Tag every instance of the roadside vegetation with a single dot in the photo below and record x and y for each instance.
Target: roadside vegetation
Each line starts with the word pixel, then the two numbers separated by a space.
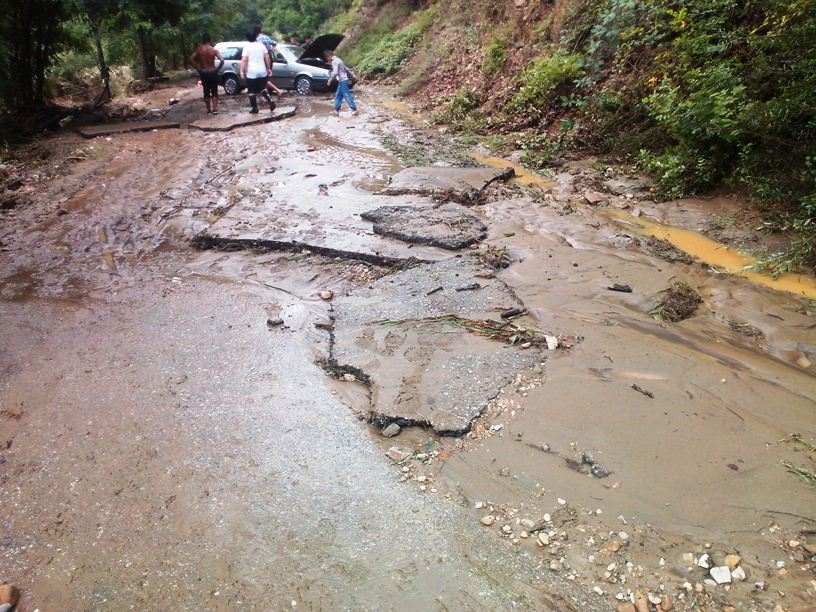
pixel 701 94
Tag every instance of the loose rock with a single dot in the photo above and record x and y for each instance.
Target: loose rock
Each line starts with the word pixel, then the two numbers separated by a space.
pixel 397 454
pixel 488 520
pixel 392 430
pixel 721 574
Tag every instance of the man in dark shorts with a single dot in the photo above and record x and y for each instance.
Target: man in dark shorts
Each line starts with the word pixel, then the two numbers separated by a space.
pixel 270 45
pixel 204 60
pixel 256 68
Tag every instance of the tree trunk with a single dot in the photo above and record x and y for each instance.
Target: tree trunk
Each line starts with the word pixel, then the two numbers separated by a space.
pixel 148 53
pixel 104 71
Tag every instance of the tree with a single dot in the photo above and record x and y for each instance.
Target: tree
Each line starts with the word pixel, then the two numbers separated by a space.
pixel 95 12
pixel 30 35
pixel 144 16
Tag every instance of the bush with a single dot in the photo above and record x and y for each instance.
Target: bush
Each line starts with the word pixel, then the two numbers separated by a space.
pixel 388 55
pixel 495 56
pixel 543 80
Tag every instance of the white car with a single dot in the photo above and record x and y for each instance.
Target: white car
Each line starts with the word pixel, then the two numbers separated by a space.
pixel 297 68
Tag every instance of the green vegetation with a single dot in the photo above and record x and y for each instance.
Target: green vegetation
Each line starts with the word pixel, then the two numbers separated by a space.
pixel 542 80
pixel 461 111
pixel 495 55
pixel 724 92
pixel 381 53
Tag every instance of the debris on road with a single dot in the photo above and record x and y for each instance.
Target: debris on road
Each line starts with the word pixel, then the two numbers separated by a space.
pixel 272 323
pixel 495 257
pixel 391 430
pixel 326 295
pixel 449 226
pixel 470 287
pixel 677 303
pixel 620 288
pixel 398 454
pixel 643 391
pixel 463 185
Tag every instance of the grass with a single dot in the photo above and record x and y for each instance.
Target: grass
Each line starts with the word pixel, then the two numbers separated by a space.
pixel 382 51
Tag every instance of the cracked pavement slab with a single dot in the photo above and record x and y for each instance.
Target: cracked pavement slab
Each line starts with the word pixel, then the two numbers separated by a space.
pixel 460 184
pixel 423 370
pixel 449 226
pixel 228 122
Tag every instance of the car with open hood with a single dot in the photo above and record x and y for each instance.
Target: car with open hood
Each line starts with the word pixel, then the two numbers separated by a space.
pixel 302 69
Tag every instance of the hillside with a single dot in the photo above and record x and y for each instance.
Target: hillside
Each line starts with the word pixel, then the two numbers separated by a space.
pixel 702 94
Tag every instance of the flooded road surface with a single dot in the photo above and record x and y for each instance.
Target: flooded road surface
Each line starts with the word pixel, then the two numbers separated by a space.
pixel 179 430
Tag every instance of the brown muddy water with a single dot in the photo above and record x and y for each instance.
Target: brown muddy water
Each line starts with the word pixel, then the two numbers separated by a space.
pixel 163 447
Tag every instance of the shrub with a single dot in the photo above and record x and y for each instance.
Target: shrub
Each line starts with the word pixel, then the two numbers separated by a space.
pixel 495 56
pixel 543 80
pixel 393 49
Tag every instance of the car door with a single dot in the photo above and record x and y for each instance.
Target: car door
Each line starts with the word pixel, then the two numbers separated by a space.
pixel 282 72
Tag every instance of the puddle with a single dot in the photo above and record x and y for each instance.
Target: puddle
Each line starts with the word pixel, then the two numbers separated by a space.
pixel 317 138
pixel 525 177
pixel 718 255
pixel 403 110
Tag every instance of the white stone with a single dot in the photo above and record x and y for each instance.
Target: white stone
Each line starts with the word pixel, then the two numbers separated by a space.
pixel 738 574
pixel 721 574
pixel 488 520
pixel 543 539
pixel 704 561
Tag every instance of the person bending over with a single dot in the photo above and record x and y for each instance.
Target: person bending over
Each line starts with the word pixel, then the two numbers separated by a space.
pixel 256 69
pixel 204 60
pixel 341 72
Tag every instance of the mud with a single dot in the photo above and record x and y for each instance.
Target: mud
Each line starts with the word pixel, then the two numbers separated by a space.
pixel 422 367
pixel 448 226
pixel 159 440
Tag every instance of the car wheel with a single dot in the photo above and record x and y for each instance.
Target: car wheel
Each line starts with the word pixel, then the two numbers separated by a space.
pixel 231 84
pixel 303 85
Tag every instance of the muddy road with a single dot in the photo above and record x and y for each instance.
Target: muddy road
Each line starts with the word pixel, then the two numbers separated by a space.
pixel 204 336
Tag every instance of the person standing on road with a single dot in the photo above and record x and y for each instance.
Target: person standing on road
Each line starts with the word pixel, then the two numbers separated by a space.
pixel 256 70
pixel 204 61
pixel 270 45
pixel 344 76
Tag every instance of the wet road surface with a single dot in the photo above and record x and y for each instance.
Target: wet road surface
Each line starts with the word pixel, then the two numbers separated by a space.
pixel 164 448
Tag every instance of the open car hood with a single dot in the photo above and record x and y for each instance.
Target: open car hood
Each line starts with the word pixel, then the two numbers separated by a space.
pixel 327 42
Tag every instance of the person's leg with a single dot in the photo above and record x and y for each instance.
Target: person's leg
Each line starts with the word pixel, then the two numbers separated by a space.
pixel 350 99
pixel 205 88
pixel 265 94
pixel 211 88
pixel 338 98
pixel 254 88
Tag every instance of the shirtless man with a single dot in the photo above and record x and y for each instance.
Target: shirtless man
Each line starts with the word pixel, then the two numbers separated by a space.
pixel 204 61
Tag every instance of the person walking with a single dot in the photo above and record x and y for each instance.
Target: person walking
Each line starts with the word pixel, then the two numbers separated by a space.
pixel 204 60
pixel 270 45
pixel 256 70
pixel 344 77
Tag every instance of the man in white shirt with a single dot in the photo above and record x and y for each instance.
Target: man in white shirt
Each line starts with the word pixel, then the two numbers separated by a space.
pixel 256 69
